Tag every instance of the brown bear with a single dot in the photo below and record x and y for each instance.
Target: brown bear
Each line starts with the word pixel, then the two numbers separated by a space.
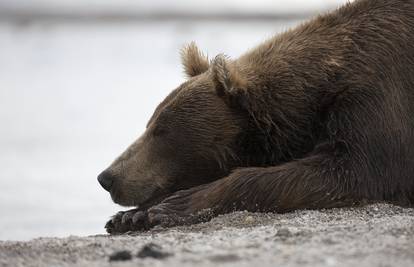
pixel 316 117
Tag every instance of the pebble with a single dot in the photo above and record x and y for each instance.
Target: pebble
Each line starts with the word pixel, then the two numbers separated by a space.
pixel 123 255
pixel 225 258
pixel 249 220
pixel 283 233
pixel 153 251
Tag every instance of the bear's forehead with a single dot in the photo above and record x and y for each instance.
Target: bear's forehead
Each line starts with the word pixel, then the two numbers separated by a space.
pixel 191 90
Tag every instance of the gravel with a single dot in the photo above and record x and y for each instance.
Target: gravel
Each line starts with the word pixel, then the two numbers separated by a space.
pixel 374 235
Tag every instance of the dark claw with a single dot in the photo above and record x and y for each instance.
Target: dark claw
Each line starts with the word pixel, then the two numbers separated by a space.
pixel 109 225
pixel 126 217
pixel 116 216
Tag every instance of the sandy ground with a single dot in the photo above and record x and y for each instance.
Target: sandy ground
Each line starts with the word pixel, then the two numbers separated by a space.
pixel 375 235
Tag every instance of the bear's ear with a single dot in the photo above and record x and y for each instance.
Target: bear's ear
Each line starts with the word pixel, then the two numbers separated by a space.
pixel 194 61
pixel 229 82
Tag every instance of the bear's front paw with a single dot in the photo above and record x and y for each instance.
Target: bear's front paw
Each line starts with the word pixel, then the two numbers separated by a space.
pixel 126 221
pixel 182 208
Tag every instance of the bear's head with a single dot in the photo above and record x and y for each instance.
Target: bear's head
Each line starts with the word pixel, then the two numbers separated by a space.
pixel 194 136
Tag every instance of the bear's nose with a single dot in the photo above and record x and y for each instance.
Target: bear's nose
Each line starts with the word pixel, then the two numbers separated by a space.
pixel 106 179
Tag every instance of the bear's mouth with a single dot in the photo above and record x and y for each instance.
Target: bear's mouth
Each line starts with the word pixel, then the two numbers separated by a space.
pixel 156 197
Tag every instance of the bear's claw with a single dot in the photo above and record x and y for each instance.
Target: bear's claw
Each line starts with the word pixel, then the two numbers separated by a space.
pixel 178 209
pixel 126 221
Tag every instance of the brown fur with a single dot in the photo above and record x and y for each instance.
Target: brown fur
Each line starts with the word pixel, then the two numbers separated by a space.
pixel 193 60
pixel 317 117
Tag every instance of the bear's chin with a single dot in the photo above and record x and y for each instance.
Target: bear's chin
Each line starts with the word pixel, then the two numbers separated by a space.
pixel 141 202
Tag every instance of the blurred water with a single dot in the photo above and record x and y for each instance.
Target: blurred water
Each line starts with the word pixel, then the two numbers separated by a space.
pixel 154 6
pixel 72 97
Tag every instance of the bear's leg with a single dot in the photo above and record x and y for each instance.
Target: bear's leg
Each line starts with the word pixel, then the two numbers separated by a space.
pixel 322 180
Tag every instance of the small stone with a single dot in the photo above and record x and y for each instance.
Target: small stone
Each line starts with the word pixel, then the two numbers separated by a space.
pixel 225 258
pixel 329 241
pixel 152 251
pixel 283 233
pixel 249 220
pixel 123 255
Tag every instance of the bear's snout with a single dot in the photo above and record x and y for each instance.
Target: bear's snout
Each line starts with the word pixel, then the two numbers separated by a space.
pixel 106 179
